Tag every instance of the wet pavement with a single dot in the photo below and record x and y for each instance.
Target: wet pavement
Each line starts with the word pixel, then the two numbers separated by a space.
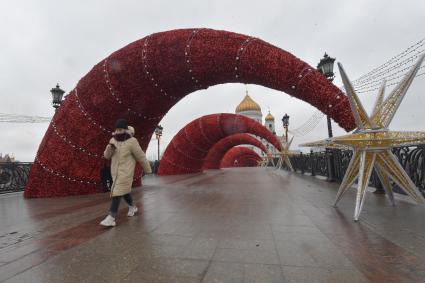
pixel 233 225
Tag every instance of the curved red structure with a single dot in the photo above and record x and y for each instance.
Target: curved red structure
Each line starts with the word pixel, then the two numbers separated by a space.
pixel 217 152
pixel 189 147
pixel 248 161
pixel 240 156
pixel 143 80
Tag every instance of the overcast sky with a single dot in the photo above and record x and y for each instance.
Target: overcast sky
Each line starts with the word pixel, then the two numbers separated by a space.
pixel 45 42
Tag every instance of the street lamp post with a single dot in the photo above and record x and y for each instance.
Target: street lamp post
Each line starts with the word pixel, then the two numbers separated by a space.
pixel 326 67
pixel 285 122
pixel 158 134
pixel 57 94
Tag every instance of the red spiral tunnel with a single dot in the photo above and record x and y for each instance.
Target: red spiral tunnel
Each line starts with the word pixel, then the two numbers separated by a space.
pixel 188 149
pixel 240 156
pixel 142 81
pixel 217 152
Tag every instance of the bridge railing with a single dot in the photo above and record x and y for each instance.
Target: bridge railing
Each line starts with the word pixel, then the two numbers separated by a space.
pixel 332 164
pixel 14 176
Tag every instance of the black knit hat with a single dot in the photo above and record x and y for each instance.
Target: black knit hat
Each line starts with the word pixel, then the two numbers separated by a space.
pixel 121 124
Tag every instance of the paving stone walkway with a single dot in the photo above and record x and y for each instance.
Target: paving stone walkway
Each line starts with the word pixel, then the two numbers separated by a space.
pixel 234 225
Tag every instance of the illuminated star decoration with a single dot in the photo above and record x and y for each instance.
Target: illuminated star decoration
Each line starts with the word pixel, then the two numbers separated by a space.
pixel 284 156
pixel 372 141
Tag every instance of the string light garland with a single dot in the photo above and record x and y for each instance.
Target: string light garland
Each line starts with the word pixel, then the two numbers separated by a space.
pixel 239 54
pixel 391 84
pixel 304 73
pixel 93 121
pixel 395 58
pixel 309 125
pixel 86 114
pixel 390 77
pixel 188 59
pixel 114 93
pixel 148 73
pixel 64 176
pixel 73 145
pixel 391 70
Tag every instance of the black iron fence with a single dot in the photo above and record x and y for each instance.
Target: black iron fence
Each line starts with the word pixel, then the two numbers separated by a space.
pixel 332 164
pixel 14 176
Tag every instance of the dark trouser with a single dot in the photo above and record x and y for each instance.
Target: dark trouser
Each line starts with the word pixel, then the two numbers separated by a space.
pixel 116 203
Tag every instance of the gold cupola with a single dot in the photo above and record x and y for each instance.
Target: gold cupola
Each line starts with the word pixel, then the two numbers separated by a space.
pixel 248 104
pixel 269 117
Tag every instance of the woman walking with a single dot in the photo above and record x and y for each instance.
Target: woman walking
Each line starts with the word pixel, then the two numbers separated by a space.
pixel 124 150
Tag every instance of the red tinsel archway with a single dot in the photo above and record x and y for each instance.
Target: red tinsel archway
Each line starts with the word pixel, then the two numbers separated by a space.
pixel 189 147
pixel 143 80
pixel 240 156
pixel 217 152
pixel 248 161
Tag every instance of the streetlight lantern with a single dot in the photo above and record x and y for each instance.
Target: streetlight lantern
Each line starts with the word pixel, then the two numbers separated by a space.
pixel 158 134
pixel 285 122
pixel 326 67
pixel 57 94
pixel 158 131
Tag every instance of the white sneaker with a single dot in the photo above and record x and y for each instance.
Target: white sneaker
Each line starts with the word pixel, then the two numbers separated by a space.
pixel 132 210
pixel 109 221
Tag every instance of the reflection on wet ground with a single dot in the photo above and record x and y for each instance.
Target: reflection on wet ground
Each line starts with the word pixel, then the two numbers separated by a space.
pixel 235 225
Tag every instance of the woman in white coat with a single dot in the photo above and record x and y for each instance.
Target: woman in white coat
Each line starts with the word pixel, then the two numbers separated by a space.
pixel 124 150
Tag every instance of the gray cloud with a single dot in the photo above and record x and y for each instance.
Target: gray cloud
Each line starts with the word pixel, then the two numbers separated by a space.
pixel 45 42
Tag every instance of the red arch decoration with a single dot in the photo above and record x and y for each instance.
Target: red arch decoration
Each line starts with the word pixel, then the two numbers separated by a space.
pixel 248 161
pixel 189 147
pixel 217 152
pixel 245 157
pixel 143 80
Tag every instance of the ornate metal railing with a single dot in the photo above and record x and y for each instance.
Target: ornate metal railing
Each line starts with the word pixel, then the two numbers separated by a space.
pixel 333 164
pixel 14 176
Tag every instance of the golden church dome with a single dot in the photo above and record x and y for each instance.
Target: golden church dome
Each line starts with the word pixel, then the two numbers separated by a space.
pixel 269 117
pixel 248 104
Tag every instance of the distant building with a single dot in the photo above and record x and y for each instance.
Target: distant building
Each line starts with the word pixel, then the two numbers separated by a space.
pixel 251 109
pixel 7 158
pixel 248 107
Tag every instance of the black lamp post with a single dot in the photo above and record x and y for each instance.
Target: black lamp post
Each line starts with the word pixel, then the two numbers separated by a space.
pixel 326 67
pixel 285 122
pixel 57 94
pixel 158 134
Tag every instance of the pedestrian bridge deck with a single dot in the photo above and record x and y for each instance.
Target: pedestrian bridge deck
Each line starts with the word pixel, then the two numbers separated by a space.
pixel 235 225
